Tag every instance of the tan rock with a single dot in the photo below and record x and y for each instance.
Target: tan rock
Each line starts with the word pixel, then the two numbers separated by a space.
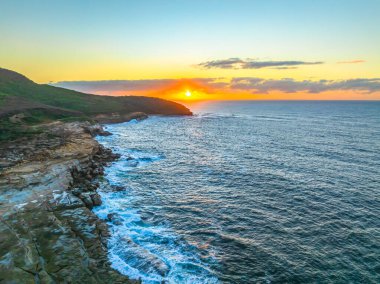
pixel 47 234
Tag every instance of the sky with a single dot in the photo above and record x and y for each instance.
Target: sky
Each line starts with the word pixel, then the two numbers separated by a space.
pixel 196 50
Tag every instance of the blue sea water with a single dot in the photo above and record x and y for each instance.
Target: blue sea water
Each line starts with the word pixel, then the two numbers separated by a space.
pixel 247 192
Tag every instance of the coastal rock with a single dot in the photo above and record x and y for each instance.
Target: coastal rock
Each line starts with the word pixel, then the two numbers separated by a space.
pixel 120 117
pixel 96 129
pixel 96 199
pixel 118 188
pixel 17 118
pixel 87 200
pixel 114 218
pixel 48 234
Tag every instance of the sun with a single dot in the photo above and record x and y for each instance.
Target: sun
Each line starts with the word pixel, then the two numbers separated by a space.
pixel 188 93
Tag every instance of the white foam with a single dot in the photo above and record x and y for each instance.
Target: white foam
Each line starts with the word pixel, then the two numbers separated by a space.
pixel 21 205
pixel 138 249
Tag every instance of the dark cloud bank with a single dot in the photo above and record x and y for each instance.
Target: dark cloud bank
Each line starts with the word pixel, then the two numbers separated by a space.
pixel 258 85
pixel 249 84
pixel 114 85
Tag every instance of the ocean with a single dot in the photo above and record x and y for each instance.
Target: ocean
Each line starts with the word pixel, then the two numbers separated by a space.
pixel 247 192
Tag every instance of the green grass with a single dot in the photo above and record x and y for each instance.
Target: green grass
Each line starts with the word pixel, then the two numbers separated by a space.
pixel 30 126
pixel 12 131
pixel 44 103
pixel 86 103
pixel 2 97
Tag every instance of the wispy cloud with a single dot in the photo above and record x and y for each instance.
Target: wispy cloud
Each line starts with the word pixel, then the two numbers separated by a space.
pixel 352 61
pixel 238 63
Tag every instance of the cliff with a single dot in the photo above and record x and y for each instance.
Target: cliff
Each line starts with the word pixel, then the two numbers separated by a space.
pixel 50 166
pixel 48 233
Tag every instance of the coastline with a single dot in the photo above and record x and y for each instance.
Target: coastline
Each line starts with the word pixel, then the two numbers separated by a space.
pixel 47 190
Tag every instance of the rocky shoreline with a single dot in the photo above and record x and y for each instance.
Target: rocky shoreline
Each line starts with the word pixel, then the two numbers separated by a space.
pixel 48 233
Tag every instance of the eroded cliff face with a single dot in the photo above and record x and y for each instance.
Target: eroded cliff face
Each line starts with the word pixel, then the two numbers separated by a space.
pixel 48 234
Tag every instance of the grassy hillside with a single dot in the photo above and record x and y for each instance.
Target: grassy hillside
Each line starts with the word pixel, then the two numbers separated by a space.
pixel 17 85
pixel 41 103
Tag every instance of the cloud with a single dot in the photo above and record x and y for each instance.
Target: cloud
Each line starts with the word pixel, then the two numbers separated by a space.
pixel 251 85
pixel 113 85
pixel 154 87
pixel 288 85
pixel 351 62
pixel 238 63
pixel 284 68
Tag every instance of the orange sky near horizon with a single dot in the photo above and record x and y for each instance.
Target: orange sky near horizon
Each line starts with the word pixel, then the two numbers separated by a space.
pixel 187 90
pixel 259 50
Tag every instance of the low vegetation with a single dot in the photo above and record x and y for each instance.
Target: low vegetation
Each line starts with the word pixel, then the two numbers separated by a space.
pixel 40 103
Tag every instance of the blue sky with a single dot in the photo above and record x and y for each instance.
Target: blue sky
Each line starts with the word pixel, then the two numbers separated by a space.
pixel 94 40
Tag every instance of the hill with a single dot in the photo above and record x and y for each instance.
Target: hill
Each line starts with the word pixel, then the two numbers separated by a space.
pixel 36 103
pixel 16 87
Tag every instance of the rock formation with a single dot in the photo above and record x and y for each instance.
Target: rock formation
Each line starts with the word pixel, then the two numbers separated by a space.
pixel 48 234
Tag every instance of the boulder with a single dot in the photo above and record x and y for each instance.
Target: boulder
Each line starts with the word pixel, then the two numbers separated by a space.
pixel 96 199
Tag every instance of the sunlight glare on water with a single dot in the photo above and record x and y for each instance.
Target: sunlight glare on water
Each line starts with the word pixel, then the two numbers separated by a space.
pixel 247 192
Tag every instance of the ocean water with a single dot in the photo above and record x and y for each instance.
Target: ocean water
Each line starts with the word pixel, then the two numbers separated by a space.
pixel 247 192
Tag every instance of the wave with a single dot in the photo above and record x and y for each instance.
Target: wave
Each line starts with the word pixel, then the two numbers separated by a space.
pixel 244 116
pixel 139 247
